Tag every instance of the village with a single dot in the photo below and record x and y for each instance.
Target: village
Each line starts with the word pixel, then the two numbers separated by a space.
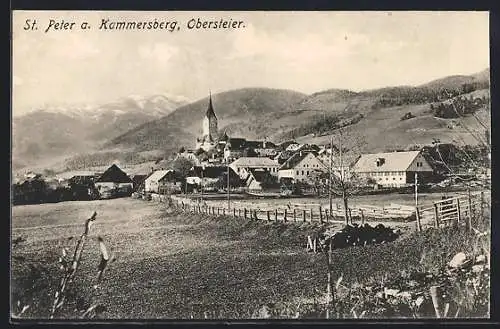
pixel 234 167
pixel 270 171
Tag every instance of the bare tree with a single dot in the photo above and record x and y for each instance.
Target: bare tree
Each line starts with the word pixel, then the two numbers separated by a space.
pixel 480 134
pixel 344 182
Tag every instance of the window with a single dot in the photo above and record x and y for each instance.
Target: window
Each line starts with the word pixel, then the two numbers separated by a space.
pixel 308 172
pixel 302 172
pixel 400 178
pixel 297 172
pixel 386 178
pixel 393 178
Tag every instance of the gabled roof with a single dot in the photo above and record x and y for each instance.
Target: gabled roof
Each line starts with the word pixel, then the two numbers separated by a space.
pixel 254 162
pixel 211 171
pixel 296 159
pixel 293 147
pixel 393 161
pixel 258 174
pixel 114 175
pixel 158 175
pixel 260 144
pixel 237 143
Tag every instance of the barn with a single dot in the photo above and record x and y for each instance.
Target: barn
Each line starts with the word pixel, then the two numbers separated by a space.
pixel 162 182
pixel 114 182
pixel 394 169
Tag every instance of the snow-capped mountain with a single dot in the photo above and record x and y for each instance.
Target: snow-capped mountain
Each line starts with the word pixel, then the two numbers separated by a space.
pixel 54 130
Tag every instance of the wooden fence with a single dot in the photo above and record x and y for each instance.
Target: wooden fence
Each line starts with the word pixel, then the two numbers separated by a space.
pixel 459 210
pixel 297 213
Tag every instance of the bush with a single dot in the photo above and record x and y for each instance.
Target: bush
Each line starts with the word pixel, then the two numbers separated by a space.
pixel 407 116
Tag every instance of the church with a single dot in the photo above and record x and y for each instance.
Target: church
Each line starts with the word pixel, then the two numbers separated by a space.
pixel 214 142
pixel 210 136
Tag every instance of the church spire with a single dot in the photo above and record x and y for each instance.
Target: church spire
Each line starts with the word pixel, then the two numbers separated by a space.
pixel 210 110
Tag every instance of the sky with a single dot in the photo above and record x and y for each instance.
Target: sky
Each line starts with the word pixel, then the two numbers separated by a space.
pixel 302 51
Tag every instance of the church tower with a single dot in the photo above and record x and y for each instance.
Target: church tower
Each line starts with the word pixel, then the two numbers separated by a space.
pixel 210 129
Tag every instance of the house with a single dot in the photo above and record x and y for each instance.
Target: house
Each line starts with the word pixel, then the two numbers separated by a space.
pixel 341 169
pixel 114 183
pixel 212 176
pixel 162 182
pixel 258 179
pixel 189 155
pixel 138 180
pixel 86 180
pixel 394 169
pixel 263 148
pixel 235 148
pixel 300 166
pixel 242 165
pixel 293 147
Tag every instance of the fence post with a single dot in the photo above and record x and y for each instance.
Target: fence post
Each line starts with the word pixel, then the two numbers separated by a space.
pixel 436 215
pixel 458 211
pixel 362 216
pixel 268 215
pixel 311 215
pixel 350 215
pixel 255 215
pixel 245 210
pixel 284 216
pixel 481 207
pixel 234 212
pixel 218 211
pixel 239 213
pixel 276 214
pixel 470 208
pixel 223 211
pixel 417 217
pixel 320 215
pixel 294 215
pixel 304 215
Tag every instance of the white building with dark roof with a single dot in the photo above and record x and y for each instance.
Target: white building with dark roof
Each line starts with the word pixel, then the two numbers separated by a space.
pixel 301 166
pixel 243 165
pixel 394 169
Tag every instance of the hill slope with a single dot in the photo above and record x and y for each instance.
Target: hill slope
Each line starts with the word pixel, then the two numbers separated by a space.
pixel 242 112
pixel 50 132
pixel 374 116
pixel 282 114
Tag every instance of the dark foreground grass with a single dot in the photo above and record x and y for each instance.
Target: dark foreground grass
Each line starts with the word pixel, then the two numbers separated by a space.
pixel 177 265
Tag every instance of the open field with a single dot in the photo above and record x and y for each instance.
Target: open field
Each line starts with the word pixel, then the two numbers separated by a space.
pixel 375 200
pixel 175 265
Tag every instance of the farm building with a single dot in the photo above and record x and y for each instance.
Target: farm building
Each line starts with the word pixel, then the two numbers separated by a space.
pixel 259 179
pixel 212 175
pixel 138 180
pixel 300 166
pixel 243 165
pixel 394 169
pixel 114 183
pixel 162 181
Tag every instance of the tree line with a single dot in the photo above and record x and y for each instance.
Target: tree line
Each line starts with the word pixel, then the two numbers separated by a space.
pixel 37 190
pixel 390 97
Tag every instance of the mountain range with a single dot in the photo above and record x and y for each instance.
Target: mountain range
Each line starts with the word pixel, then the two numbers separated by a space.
pixel 139 129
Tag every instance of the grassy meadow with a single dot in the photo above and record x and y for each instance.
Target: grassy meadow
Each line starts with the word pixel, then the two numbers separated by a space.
pixel 179 265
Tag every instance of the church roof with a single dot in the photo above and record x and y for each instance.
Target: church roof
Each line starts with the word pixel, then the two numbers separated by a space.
pixel 210 110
